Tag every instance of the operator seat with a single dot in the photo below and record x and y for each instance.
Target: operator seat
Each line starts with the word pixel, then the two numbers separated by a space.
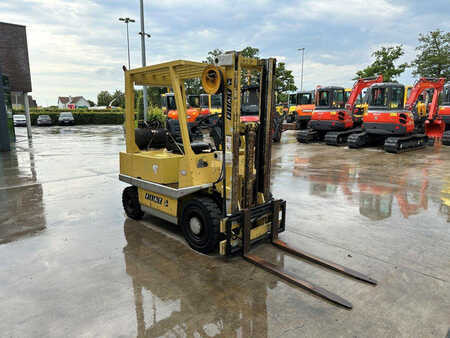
pixel 175 141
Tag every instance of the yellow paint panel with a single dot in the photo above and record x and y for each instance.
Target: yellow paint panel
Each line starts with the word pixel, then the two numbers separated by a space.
pixel 159 166
pixel 158 201
pixel 393 114
pixel 259 231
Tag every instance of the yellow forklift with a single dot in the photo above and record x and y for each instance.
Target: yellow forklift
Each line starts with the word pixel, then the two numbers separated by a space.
pixel 219 194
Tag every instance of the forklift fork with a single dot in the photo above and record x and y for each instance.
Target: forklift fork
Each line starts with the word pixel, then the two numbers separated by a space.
pixel 258 261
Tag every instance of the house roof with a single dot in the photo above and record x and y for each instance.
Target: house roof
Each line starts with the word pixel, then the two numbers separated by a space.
pixel 70 99
pixel 63 99
pixel 75 99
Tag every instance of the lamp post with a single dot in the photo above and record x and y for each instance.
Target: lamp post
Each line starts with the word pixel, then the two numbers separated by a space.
pixel 303 56
pixel 144 62
pixel 127 20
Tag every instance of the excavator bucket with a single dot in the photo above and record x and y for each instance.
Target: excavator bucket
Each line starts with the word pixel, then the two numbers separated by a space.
pixel 434 129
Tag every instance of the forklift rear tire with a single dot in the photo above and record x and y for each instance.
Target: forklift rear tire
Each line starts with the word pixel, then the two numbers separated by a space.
pixel 130 201
pixel 200 223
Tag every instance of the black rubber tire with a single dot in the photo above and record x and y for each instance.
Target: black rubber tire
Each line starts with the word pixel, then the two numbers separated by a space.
pixel 130 202
pixel 208 213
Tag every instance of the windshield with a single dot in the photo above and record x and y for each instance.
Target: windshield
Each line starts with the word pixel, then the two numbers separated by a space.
pixel 305 98
pixel 293 99
pixel 333 98
pixel 408 92
pixel 339 99
pixel 44 117
pixel 446 96
pixel 171 104
pixel 19 117
pixel 396 98
pixel 347 95
pixel 378 97
pixel 65 115
pixel 194 101
pixel 250 97
pixel 204 98
pixel 216 100
pixel 323 99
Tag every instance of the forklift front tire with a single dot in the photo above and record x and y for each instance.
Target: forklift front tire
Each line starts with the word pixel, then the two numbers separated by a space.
pixel 200 223
pixel 130 201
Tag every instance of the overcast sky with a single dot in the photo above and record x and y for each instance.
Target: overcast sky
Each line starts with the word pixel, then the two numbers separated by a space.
pixel 78 47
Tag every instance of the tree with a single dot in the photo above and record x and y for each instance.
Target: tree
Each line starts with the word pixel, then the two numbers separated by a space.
pixel 91 103
pixel 433 58
pixel 284 81
pixel 212 55
pixel 139 103
pixel 119 99
pixel 193 86
pixel 154 95
pixel 104 98
pixel 384 63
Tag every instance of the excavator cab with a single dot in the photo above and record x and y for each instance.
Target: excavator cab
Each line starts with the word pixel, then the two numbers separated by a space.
pixel 169 107
pixel 329 112
pixel 204 104
pixel 444 114
pixel 305 107
pixel 383 116
pixel 292 107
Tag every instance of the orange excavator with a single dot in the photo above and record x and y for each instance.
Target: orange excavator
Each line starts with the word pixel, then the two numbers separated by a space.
pixel 170 109
pixel 332 119
pixel 444 115
pixel 399 128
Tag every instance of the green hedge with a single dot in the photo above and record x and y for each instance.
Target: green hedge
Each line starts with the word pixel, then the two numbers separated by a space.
pixel 90 117
pixel 42 111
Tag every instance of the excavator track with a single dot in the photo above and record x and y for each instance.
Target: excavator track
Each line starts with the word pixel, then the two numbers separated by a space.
pixel 308 136
pixel 338 138
pixel 358 140
pixel 405 143
pixel 446 138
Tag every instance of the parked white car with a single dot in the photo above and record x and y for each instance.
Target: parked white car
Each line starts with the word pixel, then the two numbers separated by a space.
pixel 19 121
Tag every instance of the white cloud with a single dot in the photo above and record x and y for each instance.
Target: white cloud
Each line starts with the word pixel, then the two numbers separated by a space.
pixel 78 47
pixel 343 10
pixel 324 74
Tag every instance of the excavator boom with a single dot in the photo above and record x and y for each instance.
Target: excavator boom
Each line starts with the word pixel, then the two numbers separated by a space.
pixel 433 127
pixel 358 87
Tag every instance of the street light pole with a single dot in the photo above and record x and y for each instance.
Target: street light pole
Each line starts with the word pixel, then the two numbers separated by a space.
pixel 144 62
pixel 127 20
pixel 303 57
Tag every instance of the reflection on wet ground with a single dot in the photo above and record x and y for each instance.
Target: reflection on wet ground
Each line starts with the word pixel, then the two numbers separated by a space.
pixel 74 265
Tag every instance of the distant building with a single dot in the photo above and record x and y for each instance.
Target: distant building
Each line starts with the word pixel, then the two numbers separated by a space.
pixel 14 63
pixel 14 57
pixel 69 102
pixel 17 101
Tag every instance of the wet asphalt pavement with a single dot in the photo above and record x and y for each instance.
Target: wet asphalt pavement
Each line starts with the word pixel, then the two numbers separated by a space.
pixel 74 265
